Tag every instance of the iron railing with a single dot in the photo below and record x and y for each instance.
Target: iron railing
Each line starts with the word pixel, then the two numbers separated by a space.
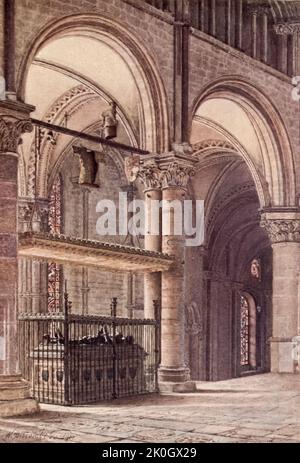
pixel 74 359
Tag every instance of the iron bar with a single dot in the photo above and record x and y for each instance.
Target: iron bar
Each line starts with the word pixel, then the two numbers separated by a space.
pixel 114 316
pixel 86 136
pixel 66 344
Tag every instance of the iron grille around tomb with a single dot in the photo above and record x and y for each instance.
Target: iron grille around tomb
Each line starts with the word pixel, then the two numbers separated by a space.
pixel 74 360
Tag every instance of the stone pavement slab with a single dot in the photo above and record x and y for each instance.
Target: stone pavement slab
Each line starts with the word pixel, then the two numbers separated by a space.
pixel 264 408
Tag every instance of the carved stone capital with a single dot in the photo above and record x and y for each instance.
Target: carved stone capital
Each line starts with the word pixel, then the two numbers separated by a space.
pixel 287 28
pixel 258 9
pixel 25 211
pixel 150 176
pixel 169 170
pixel 10 133
pixel 282 229
pixel 176 174
pixel 14 122
pixel 33 215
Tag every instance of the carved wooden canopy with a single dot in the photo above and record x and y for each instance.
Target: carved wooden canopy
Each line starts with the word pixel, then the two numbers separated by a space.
pixel 79 252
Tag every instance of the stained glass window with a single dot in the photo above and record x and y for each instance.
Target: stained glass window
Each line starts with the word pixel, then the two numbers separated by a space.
pixel 55 207
pixel 55 227
pixel 245 331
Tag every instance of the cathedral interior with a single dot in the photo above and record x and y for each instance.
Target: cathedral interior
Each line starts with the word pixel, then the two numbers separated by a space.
pixel 201 98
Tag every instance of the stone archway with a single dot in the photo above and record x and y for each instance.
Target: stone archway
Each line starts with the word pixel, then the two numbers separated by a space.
pixel 79 64
pixel 241 114
pixel 82 87
pixel 245 165
pixel 123 44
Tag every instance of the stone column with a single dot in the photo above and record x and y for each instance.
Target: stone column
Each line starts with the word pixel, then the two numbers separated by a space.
pixel 176 172
pixel 290 55
pixel 283 228
pixel 150 177
pixel 182 21
pixel 33 275
pixel 14 392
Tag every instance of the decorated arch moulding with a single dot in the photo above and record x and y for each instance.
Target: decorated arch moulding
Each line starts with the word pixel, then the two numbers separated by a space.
pixel 283 190
pixel 70 102
pixel 140 61
pixel 66 103
pixel 213 145
pixel 86 86
pixel 210 154
pixel 228 197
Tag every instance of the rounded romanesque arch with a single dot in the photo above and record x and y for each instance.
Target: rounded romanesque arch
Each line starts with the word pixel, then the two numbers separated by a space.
pixel 123 44
pixel 262 140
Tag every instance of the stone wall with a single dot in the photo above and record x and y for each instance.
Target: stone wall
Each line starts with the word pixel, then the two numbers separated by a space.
pixel 100 286
pixel 155 35
pixel 210 59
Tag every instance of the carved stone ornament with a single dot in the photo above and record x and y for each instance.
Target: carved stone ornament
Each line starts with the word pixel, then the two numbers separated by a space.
pixel 150 176
pixel 258 9
pixel 11 131
pixel 132 167
pixel 287 28
pixel 168 175
pixel 33 215
pixel 109 121
pixel 282 230
pixel 176 175
pixel 25 211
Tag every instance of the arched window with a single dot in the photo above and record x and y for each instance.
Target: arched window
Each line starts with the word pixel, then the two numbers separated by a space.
pixel 247 332
pixel 55 227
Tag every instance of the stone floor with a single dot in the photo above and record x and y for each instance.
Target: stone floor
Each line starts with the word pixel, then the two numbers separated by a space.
pixel 264 408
